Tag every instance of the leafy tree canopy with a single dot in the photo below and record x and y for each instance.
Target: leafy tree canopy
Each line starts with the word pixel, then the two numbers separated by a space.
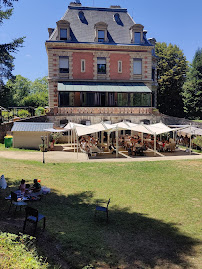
pixel 27 93
pixel 193 88
pixel 6 53
pixel 171 71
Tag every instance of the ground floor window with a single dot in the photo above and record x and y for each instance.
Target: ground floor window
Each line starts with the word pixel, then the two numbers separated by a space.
pixel 66 99
pixel 134 99
pixel 104 99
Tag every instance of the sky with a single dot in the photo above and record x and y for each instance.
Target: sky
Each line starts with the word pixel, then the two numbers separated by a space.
pixel 175 21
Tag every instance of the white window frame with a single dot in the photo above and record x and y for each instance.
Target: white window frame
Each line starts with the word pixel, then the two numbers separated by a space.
pixel 137 60
pixel 119 66
pixel 83 65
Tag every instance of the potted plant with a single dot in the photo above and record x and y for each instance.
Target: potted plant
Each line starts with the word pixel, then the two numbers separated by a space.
pixel 43 148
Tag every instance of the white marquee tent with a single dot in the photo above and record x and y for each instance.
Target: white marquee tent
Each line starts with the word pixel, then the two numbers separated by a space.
pixel 153 129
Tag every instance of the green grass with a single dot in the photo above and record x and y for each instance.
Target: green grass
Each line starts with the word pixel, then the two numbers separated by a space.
pixel 19 252
pixel 154 213
pixel 2 148
pixel 193 150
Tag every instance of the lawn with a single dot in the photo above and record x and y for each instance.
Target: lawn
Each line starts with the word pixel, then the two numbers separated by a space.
pixel 2 148
pixel 154 214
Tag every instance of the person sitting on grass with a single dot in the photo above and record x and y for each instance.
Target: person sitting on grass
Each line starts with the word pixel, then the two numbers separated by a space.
pixel 36 186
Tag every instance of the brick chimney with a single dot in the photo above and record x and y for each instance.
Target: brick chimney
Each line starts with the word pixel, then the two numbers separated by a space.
pixel 115 6
pixel 50 31
pixel 77 3
pixel 152 41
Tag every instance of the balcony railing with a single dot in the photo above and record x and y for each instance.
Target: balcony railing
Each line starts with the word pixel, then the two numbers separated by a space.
pixel 103 110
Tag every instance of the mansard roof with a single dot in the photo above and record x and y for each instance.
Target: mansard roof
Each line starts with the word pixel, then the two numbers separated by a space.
pixel 84 19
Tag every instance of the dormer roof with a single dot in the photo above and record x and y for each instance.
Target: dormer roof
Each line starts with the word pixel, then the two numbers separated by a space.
pixel 83 21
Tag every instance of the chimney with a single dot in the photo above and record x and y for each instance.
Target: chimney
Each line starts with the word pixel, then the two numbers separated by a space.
pixel 77 3
pixel 115 7
pixel 145 33
pixel 152 41
pixel 50 31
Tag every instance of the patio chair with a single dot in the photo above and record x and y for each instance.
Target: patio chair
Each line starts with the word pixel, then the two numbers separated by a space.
pixel 32 215
pixel 112 149
pixel 16 201
pixel 139 151
pixel 103 209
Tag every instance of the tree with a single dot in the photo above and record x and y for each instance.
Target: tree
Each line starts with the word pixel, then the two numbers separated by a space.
pixel 7 49
pixel 171 72
pixel 192 94
pixel 20 88
pixel 27 93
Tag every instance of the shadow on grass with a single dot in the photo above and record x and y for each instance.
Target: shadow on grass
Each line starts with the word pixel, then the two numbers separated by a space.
pixel 129 240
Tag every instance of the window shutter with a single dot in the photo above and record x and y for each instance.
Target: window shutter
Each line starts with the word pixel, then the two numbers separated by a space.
pixel 64 62
pixel 137 66
pixel 101 60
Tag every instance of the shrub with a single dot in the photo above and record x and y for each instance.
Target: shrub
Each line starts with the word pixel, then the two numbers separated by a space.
pixel 19 252
pixel 198 141
pixel 22 113
pixel 55 137
pixel 43 148
pixel 40 111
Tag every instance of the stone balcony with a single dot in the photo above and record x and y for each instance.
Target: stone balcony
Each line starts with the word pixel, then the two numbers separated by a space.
pixel 63 111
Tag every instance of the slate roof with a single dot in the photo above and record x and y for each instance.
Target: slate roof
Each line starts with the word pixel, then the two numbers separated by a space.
pixel 31 126
pixel 83 31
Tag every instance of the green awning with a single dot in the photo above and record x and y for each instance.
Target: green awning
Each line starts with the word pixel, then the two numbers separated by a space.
pixel 102 87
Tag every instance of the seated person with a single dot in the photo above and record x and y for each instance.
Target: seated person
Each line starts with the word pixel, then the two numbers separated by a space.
pixel 36 186
pixel 22 186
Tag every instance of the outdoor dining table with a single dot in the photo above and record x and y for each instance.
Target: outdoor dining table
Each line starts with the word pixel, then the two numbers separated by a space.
pixel 20 196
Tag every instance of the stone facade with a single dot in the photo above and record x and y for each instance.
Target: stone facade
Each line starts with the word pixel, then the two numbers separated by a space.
pixel 119 62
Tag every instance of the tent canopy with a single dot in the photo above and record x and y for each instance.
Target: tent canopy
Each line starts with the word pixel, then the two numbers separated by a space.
pixel 191 130
pixel 157 128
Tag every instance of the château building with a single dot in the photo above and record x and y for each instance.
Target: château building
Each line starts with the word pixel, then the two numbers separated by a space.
pixel 101 66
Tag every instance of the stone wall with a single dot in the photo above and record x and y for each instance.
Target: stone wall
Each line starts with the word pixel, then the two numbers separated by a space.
pixel 168 120
pixel 94 118
pixel 114 118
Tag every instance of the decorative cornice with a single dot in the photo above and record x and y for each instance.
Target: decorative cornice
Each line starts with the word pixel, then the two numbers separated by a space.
pixel 98 47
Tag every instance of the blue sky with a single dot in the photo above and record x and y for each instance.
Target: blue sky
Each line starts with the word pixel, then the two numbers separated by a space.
pixel 175 21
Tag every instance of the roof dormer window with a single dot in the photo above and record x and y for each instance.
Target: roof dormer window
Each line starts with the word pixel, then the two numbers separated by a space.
pixel 137 37
pixel 63 34
pixel 101 32
pixel 137 34
pixel 101 35
pixel 63 30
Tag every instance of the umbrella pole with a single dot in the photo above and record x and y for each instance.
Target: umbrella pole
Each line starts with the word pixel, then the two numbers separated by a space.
pixel 74 139
pixel 68 137
pixel 71 138
pixel 142 138
pixel 190 141
pixel 77 147
pixel 102 136
pixel 117 144
pixel 108 135
pixel 155 144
